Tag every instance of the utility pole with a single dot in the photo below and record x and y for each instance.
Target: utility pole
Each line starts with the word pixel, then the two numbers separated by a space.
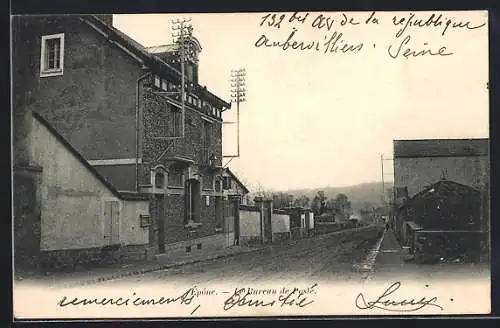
pixel 182 32
pixel 382 159
pixel 237 95
pixel 383 184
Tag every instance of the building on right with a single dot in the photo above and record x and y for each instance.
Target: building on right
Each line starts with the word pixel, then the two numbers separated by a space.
pixel 421 166
pixel 420 163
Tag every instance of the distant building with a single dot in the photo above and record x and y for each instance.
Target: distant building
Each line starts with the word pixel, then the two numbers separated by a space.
pixel 420 163
pixel 233 187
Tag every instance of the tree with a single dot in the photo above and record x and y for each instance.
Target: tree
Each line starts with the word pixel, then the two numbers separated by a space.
pixel 318 204
pixel 281 199
pixel 331 205
pixel 343 205
pixel 302 201
pixel 315 205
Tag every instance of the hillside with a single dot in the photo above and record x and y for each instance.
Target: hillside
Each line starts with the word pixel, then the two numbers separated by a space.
pixel 360 194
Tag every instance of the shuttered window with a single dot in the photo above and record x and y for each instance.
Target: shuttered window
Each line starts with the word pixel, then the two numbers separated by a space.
pixel 112 221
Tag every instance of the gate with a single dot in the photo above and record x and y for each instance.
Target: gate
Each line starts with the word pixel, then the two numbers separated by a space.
pixel 231 225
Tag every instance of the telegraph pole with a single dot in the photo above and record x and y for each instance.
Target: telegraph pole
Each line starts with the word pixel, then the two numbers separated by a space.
pixel 383 184
pixel 382 159
pixel 237 95
pixel 182 32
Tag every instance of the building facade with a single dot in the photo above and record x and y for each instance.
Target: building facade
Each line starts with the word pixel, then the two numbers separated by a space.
pixel 419 164
pixel 65 210
pixel 119 105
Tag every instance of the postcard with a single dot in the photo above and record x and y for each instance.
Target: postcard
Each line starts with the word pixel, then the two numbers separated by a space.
pixel 250 164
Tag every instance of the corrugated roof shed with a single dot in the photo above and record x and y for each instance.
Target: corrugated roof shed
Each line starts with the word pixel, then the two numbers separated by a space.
pixel 441 147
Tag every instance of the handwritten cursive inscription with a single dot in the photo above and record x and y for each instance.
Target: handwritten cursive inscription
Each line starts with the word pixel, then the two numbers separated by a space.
pixel 406 52
pixel 386 301
pixel 185 298
pixel 432 21
pixel 246 297
pixel 333 44
pixel 335 33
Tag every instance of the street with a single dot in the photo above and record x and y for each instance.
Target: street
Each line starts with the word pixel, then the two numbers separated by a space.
pixel 324 258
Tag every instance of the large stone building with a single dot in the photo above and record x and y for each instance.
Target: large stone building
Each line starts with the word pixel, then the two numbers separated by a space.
pixel 118 104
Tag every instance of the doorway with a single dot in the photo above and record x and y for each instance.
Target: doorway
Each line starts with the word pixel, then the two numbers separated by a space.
pixel 192 201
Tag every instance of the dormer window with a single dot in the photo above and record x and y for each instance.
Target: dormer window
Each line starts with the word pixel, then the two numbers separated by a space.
pixel 52 55
pixel 157 81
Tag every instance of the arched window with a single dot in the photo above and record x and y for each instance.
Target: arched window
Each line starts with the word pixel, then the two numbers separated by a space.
pixel 160 180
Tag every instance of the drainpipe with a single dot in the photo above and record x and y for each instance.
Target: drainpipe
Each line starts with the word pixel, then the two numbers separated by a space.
pixel 137 125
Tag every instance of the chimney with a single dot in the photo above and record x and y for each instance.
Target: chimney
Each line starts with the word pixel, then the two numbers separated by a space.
pixel 108 19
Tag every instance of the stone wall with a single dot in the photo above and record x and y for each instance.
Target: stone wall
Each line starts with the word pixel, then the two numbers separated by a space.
pixel 90 257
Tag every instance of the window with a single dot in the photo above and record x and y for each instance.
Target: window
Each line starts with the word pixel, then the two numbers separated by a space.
pixel 164 85
pixel 112 221
pixel 159 180
pixel 206 140
pixel 176 122
pixel 175 178
pixel 157 81
pixel 52 55
pixel 218 185
pixel 226 183
pixel 189 71
pixel 208 182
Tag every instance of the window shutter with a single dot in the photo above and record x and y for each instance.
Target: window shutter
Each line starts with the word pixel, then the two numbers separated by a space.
pixel 107 220
pixel 115 229
pixel 227 183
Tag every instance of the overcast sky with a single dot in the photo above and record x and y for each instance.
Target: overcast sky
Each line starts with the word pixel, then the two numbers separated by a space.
pixel 316 119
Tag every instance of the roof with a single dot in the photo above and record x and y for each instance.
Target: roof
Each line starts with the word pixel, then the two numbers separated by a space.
pixel 441 147
pixel 444 189
pixel 162 48
pixel 237 180
pixel 173 47
pixel 126 195
pixel 150 59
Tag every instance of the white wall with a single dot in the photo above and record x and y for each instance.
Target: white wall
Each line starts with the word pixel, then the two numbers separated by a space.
pixel 131 232
pixel 72 214
pixel 280 223
pixel 249 223
pixel 311 220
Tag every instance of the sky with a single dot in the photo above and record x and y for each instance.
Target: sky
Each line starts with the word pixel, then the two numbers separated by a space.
pixel 314 119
